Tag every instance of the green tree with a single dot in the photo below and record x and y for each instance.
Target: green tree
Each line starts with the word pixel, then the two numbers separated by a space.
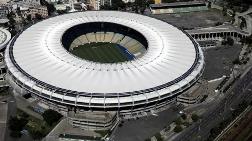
pixel 158 137
pixel 178 121
pixel 183 116
pixel 178 129
pixel 17 124
pixel 51 116
pixel 230 41
pixel 195 117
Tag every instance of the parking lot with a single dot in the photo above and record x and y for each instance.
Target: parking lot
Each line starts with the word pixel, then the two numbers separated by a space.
pixel 194 19
pixel 219 61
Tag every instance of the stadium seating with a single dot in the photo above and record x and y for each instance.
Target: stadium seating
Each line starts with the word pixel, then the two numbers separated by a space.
pixel 132 42
pixel 117 38
pixel 102 36
pixel 108 36
pixel 91 37
pixel 98 36
pixel 83 39
pixel 125 40
pixel 133 47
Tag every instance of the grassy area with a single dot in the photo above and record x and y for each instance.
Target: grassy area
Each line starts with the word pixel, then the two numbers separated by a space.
pixel 37 128
pixel 4 91
pixel 100 52
pixel 102 132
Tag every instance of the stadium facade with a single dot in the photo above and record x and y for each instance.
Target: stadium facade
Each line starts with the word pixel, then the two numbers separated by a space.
pixel 167 62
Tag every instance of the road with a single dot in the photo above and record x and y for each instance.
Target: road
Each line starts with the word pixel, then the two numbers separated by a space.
pixel 145 127
pixel 219 111
pixel 12 109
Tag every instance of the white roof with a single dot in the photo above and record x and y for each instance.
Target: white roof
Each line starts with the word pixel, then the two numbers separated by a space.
pixel 39 52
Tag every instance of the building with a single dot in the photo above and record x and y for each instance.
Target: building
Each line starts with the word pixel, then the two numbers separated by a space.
pixel 192 96
pixel 96 4
pixel 5 37
pixel 178 7
pixel 40 10
pixel 166 62
pixel 32 2
pixel 126 1
pixel 3 11
pixel 158 1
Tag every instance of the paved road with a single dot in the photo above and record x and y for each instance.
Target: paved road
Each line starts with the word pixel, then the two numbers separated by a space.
pixel 145 127
pixel 219 111
pixel 12 109
pixel 3 120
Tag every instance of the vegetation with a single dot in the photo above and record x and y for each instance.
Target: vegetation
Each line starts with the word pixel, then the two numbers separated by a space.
pixel 238 5
pixel 36 127
pixel 167 128
pixel 158 137
pixel 195 117
pixel 228 41
pixel 214 132
pixel 50 7
pixel 102 132
pixel 187 124
pixel 100 52
pixel 247 40
pixel 237 61
pixel 137 6
pixel 51 116
pixel 178 121
pixel 4 91
pixel 183 116
pixel 178 129
pixel 12 23
pixel 16 125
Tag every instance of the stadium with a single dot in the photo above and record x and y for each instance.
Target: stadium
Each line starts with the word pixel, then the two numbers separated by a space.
pixel 5 37
pixel 103 61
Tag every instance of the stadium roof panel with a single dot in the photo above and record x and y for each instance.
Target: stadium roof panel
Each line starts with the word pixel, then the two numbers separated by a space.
pixel 171 55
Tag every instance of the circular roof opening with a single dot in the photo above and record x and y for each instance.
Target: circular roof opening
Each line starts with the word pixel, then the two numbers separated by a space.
pixel 104 42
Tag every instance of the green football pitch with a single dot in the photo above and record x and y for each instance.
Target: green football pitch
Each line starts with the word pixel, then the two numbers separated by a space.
pixel 100 52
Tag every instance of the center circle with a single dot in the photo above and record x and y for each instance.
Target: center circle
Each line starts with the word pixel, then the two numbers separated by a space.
pixel 104 42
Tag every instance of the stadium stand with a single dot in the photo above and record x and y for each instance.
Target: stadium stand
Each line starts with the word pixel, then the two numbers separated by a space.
pixel 91 37
pixel 83 39
pixel 128 46
pixel 117 38
pixel 108 36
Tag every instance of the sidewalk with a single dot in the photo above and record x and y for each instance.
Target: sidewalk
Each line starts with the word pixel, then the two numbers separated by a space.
pixel 3 120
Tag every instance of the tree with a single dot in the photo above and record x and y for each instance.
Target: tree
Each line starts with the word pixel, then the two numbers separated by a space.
pixel 230 41
pixel 183 116
pixel 17 124
pixel 178 121
pixel 50 7
pixel 38 16
pixel 178 129
pixel 36 133
pixel 237 61
pixel 51 116
pixel 140 5
pixel 195 117
pixel 29 18
pixel 158 137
